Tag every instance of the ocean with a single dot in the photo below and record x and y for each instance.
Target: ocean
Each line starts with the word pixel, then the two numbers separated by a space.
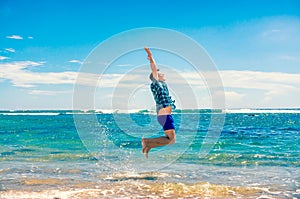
pixel 92 154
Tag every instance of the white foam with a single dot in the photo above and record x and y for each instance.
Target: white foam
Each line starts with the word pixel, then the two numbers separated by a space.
pixel 46 113
pixel 111 111
pixel 262 111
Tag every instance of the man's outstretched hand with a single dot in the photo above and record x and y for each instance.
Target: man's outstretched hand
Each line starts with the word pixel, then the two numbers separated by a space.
pixel 148 52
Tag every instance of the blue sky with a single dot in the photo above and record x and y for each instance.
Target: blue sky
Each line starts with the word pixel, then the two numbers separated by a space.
pixel 255 45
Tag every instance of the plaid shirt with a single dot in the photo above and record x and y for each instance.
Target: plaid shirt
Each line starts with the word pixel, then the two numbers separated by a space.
pixel 161 95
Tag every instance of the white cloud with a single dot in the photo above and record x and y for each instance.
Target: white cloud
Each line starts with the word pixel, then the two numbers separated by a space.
pixel 48 92
pixel 123 65
pixel 14 37
pixel 3 58
pixel 261 89
pixel 30 37
pixel 17 73
pixel 270 32
pixel 233 95
pixel 20 76
pixel 75 61
pixel 260 80
pixel 246 88
pixel 10 50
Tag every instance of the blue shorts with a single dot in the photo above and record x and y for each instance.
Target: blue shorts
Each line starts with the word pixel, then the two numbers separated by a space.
pixel 166 121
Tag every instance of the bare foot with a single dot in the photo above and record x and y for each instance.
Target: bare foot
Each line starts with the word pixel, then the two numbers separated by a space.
pixel 145 148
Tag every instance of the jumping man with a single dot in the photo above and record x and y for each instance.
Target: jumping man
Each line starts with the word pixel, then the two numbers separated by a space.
pixel 164 106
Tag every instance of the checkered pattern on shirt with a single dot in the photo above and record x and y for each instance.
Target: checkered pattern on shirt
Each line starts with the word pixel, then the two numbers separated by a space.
pixel 161 94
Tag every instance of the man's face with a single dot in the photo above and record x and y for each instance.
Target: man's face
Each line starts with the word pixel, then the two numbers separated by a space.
pixel 161 76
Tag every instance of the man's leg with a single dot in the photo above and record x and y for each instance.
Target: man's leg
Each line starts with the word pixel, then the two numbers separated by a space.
pixel 149 143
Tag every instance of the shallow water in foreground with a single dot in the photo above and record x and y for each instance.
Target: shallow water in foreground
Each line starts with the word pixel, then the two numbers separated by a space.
pixel 142 189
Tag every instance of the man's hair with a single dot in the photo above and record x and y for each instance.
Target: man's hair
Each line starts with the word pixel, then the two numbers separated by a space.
pixel 151 76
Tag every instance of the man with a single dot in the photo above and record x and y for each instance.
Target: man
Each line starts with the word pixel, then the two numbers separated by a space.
pixel 164 106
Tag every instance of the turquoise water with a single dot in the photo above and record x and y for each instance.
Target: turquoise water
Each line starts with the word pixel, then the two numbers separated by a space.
pixel 254 150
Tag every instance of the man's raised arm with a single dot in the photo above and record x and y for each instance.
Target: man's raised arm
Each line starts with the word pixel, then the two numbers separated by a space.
pixel 152 63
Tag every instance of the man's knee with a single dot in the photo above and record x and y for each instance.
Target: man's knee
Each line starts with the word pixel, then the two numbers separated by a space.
pixel 171 135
